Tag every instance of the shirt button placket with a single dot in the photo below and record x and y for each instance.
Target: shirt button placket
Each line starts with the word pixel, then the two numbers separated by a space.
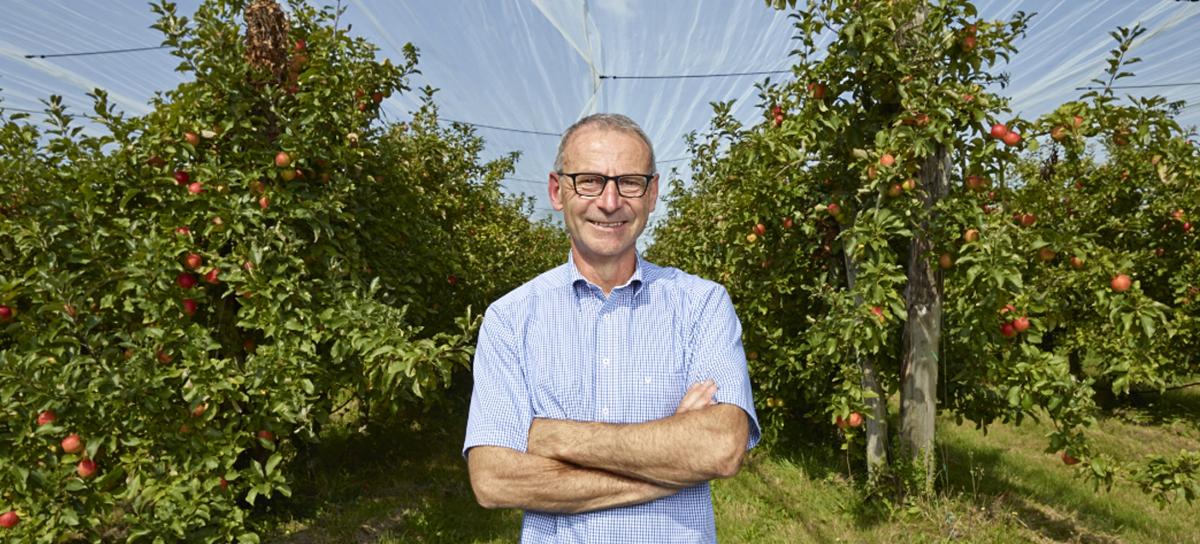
pixel 607 368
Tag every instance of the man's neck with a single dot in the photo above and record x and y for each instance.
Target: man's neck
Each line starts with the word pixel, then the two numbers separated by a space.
pixel 607 273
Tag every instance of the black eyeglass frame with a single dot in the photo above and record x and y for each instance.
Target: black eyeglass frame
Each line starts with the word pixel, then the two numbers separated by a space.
pixel 645 186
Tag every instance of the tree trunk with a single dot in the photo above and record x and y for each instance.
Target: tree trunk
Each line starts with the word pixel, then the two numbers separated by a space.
pixel 923 330
pixel 877 422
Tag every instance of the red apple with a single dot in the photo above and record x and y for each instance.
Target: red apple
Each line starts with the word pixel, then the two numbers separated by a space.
pixel 192 138
pixel 1046 254
pixel 163 357
pixel 776 111
pixel 266 435
pixel 945 261
pixel 264 202
pixel 887 159
pixel 200 409
pixel 283 160
pixel 6 313
pixel 1021 324
pixel 287 174
pixel 211 276
pixel 1076 263
pixel 842 423
pixel 224 483
pixel 72 443
pixel 183 231
pixel 377 97
pixel 1008 330
pixel 894 190
pixel 185 280
pixel 182 177
pixel 878 311
pixel 1187 227
pixel 1078 121
pixel 300 45
pixel 195 188
pixel 909 184
pixel 1159 252
pixel 1058 133
pixel 46 417
pixel 760 229
pixel 1177 215
pixel 818 90
pixel 999 130
pixel 1007 308
pixel 976 183
pixel 787 222
pixel 452 280
pixel 1012 138
pixel 86 469
pixel 1068 460
pixel 193 261
pixel 971 235
pixel 1120 283
pixel 9 519
pixel 855 420
pixel 834 209
pixel 1027 220
pixel 778 120
pixel 189 306
pixel 968 43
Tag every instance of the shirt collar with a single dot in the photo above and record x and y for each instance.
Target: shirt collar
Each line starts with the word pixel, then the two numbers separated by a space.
pixel 634 283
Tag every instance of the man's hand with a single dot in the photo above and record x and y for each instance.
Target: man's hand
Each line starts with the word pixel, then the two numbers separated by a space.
pixel 698 396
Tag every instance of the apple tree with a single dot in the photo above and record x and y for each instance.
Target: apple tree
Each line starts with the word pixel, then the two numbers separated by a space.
pixel 876 234
pixel 188 297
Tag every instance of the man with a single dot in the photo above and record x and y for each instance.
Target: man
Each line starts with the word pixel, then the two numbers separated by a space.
pixel 608 391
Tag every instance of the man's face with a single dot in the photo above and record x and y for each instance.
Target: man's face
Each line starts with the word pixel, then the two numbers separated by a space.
pixel 606 226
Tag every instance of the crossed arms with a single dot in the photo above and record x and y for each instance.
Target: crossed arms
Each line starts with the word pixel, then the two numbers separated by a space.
pixel 575 466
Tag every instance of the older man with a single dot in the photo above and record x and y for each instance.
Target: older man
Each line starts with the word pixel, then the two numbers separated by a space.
pixel 609 391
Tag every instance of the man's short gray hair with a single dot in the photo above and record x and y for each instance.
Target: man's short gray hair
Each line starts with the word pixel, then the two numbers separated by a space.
pixel 607 121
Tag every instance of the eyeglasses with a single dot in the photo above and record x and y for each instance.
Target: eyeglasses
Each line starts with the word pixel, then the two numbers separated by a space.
pixel 592 185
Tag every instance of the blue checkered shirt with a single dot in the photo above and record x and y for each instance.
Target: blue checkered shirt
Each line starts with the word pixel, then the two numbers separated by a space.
pixel 557 348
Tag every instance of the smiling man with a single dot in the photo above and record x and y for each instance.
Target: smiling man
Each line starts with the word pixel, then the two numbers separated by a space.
pixel 609 391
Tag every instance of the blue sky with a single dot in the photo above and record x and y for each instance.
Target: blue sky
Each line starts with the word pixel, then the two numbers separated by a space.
pixel 534 65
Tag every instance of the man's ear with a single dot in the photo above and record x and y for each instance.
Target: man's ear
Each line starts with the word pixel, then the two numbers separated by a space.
pixel 555 190
pixel 652 192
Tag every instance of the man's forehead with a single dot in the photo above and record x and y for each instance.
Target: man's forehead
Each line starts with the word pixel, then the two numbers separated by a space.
pixel 603 140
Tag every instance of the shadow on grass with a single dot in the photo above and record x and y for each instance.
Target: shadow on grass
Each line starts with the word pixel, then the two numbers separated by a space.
pixel 1178 406
pixel 1006 484
pixel 811 451
pixel 395 484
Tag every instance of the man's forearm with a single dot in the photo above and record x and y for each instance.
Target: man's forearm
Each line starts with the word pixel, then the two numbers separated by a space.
pixel 505 478
pixel 678 451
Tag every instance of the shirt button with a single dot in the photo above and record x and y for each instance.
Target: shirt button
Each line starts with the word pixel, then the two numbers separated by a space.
pixel 604 412
pixel 648 379
pixel 605 361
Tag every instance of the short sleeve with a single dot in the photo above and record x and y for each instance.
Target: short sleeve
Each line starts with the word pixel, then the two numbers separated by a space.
pixel 500 412
pixel 716 352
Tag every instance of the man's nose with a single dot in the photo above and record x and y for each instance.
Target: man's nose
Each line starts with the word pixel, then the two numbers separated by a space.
pixel 610 198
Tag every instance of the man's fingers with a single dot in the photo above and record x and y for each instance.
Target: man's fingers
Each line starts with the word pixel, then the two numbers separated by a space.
pixel 698 396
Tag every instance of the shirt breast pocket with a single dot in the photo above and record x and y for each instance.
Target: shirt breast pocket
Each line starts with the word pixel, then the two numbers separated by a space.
pixel 653 394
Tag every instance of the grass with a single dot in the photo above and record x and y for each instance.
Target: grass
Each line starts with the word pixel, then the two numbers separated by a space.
pixel 410 485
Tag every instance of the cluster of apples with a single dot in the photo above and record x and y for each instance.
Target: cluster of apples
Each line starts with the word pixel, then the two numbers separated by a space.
pixel 1009 137
pixel 1010 323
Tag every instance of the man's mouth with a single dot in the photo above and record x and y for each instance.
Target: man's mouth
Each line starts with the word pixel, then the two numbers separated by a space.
pixel 608 224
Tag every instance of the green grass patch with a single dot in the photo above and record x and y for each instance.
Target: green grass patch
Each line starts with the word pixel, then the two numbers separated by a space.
pixel 407 484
